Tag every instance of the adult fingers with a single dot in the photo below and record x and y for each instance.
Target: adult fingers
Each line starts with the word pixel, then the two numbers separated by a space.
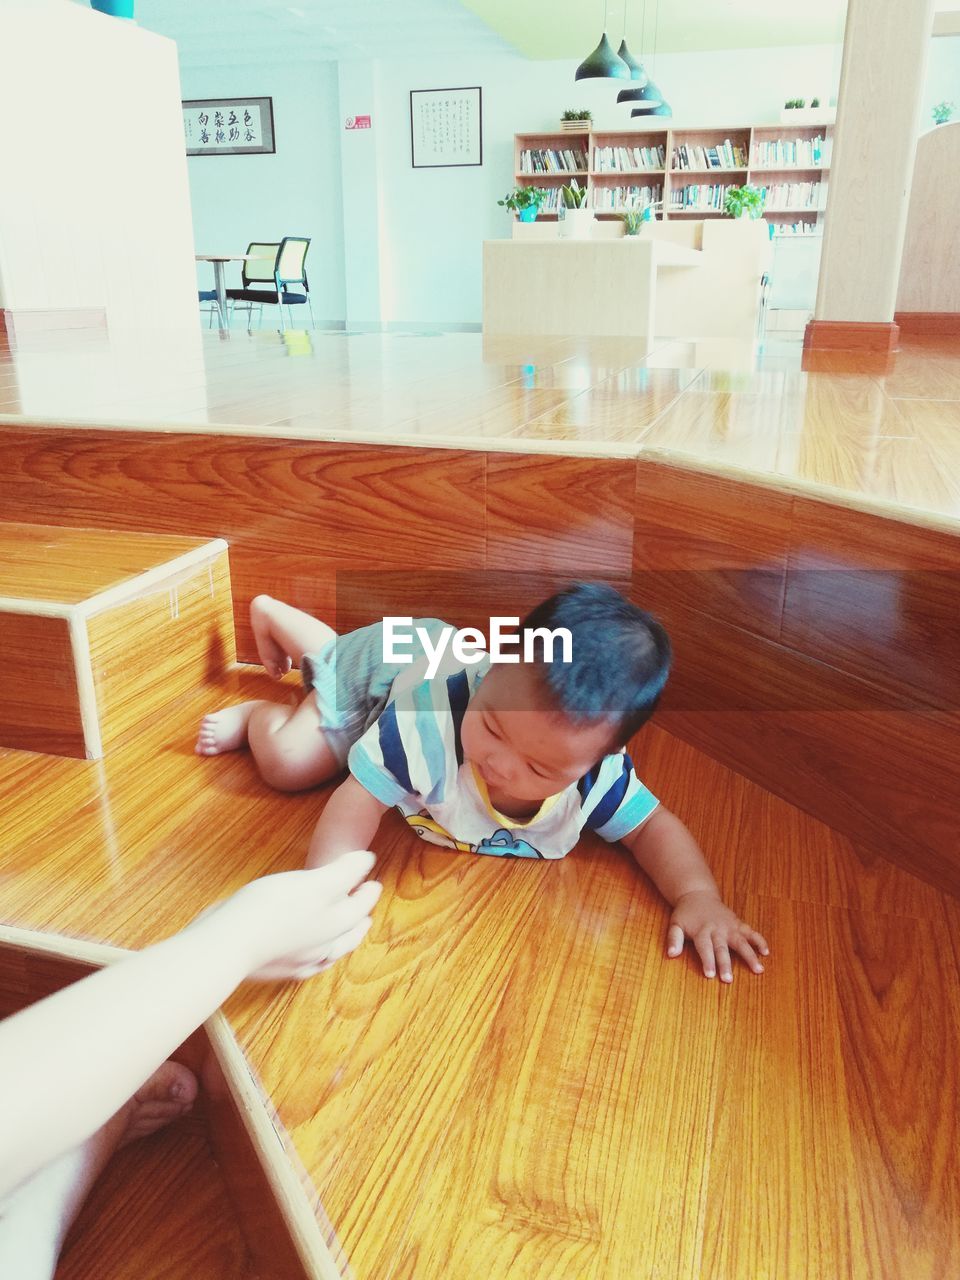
pixel 704 944
pixel 350 910
pixel 675 936
pixel 345 872
pixel 348 941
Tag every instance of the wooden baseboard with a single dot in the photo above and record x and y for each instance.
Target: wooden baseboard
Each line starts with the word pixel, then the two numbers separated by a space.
pixel 16 323
pixel 935 324
pixel 850 335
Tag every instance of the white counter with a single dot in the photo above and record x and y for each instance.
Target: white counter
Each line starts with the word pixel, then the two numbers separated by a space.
pixel 687 279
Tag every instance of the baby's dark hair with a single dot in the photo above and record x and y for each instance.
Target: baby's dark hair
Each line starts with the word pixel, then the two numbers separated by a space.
pixel 620 657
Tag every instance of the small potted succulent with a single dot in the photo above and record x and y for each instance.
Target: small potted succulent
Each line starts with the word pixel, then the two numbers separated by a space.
pixel 942 111
pixel 525 202
pixel 576 217
pixel 576 121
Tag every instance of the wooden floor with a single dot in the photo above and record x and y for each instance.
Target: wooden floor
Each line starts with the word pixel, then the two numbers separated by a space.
pixel 508 1079
pixel 883 430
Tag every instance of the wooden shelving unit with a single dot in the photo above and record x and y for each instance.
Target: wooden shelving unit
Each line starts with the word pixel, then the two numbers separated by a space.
pixel 797 192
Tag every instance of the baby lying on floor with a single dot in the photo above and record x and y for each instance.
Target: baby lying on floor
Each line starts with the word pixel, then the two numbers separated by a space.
pixel 512 757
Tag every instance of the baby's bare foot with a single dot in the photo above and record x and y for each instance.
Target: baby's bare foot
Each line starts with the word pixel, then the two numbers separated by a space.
pixel 224 730
pixel 167 1095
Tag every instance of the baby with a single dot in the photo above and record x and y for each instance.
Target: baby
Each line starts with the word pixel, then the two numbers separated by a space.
pixel 514 757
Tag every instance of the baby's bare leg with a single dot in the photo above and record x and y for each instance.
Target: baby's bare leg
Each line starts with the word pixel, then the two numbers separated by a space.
pixel 284 634
pixel 289 745
pixel 36 1216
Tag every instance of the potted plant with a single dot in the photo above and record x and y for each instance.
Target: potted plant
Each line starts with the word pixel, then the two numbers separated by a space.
pixel 525 202
pixel 942 111
pixel 576 121
pixel 745 202
pixel 576 218
pixel 633 221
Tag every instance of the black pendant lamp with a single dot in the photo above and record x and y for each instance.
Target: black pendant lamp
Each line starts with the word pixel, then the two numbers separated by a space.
pixel 603 63
pixel 636 68
pixel 647 96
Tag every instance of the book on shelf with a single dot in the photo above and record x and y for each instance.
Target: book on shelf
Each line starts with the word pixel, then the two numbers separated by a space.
pixel 625 159
pixel 617 199
pixel 792 153
pixel 726 155
pixel 800 230
pixel 552 160
pixel 794 195
pixel 699 195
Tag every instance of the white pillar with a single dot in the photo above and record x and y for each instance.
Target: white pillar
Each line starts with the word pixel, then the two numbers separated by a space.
pixel 874 145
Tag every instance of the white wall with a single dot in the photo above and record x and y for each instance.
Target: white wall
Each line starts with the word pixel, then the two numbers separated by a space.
pixel 437 219
pixel 943 77
pixel 94 203
pixel 295 192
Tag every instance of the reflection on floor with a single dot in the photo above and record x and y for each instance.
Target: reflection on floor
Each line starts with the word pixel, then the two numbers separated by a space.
pixel 885 429
pixel 508 1079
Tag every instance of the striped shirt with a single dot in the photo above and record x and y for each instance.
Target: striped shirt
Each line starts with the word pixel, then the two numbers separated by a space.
pixel 412 758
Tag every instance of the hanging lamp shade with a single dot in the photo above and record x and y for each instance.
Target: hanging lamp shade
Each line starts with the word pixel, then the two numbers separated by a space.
pixel 603 64
pixel 636 68
pixel 645 95
pixel 661 109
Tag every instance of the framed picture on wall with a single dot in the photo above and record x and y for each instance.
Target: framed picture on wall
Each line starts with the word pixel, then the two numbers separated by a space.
pixel 228 126
pixel 446 127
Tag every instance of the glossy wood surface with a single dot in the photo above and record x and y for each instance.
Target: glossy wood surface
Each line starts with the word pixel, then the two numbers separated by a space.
pixel 149 651
pixel 161 1208
pixel 50 562
pixel 776 411
pixel 852 602
pixel 39 702
pixel 508 1078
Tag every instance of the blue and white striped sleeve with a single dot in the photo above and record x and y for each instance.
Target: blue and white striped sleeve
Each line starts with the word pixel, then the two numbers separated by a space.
pixel 408 753
pixel 613 800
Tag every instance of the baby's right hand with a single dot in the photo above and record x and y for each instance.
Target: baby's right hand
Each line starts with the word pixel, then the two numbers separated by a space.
pixel 297 923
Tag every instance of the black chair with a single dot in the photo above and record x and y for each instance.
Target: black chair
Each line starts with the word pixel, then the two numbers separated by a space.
pixel 286 269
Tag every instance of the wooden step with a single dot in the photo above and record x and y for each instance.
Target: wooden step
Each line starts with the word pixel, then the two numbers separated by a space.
pixel 100 629
pixel 213 1195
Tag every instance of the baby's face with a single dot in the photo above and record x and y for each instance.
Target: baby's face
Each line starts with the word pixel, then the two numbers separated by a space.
pixel 520 745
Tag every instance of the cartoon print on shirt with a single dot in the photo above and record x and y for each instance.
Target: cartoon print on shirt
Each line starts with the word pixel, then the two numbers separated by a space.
pixel 501 844
pixel 504 845
pixel 429 829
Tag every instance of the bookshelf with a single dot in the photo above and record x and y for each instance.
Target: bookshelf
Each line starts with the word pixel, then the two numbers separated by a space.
pixel 687 169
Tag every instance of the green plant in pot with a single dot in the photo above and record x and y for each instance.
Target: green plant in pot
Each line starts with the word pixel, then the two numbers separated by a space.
pixel 576 115
pixel 942 111
pixel 633 221
pixel 576 218
pixel 525 202
pixel 745 202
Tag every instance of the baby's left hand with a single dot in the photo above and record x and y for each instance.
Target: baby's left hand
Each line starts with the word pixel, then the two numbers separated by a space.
pixel 715 931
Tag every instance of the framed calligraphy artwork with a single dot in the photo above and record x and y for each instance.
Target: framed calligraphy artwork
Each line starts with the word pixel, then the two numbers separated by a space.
pixel 228 126
pixel 446 127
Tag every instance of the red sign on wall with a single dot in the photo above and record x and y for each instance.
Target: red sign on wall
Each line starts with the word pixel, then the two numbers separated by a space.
pixel 357 122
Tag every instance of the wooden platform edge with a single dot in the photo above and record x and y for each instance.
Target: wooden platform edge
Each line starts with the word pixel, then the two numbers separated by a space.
pixel 310 1232
pixel 146 582
pixel 308 1239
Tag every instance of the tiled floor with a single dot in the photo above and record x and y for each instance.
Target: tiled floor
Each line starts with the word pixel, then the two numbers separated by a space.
pixel 880 429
